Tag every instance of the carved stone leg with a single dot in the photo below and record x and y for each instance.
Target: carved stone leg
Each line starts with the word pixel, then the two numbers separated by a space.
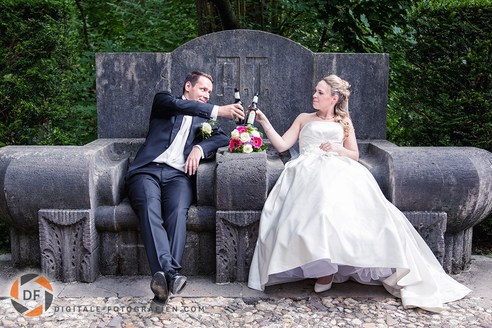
pixel 69 245
pixel 24 248
pixel 458 251
pixel 431 226
pixel 199 253
pixel 237 232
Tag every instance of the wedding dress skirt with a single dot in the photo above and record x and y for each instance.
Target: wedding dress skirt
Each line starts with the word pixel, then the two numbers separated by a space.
pixel 327 215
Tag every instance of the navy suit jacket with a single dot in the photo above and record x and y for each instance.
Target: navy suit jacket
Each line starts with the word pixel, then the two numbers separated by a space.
pixel 165 110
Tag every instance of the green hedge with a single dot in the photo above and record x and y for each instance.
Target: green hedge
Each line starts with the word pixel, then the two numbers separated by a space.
pixel 447 87
pixel 37 72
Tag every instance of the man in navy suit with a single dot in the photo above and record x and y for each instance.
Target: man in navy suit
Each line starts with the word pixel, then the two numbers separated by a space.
pixel 160 181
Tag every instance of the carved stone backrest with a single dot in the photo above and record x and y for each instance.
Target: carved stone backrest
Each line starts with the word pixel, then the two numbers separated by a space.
pixel 283 73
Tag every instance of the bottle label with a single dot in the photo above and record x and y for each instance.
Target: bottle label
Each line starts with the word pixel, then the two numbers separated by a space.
pixel 251 117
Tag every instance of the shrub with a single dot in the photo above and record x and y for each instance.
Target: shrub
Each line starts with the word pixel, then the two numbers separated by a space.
pixel 37 73
pixel 447 87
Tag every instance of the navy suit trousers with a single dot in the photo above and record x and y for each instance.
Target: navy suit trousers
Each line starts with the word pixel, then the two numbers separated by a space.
pixel 161 196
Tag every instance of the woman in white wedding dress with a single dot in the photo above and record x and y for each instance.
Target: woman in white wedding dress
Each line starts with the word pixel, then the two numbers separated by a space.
pixel 326 217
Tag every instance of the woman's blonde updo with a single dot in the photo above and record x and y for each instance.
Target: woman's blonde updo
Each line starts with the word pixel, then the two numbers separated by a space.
pixel 340 87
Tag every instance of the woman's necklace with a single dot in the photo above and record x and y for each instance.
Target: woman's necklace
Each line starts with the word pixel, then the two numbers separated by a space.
pixel 325 118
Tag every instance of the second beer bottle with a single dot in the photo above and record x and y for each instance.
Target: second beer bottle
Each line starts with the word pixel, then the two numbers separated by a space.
pixel 252 110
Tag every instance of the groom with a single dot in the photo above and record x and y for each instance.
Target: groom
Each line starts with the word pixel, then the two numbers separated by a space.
pixel 160 181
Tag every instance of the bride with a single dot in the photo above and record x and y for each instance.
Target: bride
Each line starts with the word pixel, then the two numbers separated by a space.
pixel 326 217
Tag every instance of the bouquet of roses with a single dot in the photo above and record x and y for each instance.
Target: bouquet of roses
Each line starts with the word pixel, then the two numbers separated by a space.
pixel 246 139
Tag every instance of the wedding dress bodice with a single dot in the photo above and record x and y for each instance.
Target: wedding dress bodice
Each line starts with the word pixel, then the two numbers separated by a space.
pixel 314 133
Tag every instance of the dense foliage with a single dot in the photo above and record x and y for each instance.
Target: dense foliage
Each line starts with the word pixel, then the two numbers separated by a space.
pixel 446 87
pixel 136 25
pixel 37 64
pixel 320 25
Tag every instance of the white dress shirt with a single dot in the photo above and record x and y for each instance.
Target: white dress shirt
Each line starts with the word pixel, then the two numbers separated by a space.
pixel 174 155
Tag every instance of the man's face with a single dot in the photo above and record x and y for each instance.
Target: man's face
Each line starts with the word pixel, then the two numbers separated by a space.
pixel 200 91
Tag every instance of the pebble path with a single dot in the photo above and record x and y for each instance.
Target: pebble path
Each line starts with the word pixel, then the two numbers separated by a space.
pixel 235 312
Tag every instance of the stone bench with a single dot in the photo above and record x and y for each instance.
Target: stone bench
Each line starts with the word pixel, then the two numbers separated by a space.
pixel 67 205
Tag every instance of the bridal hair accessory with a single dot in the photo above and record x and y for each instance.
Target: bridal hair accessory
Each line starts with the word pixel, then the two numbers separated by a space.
pixel 246 139
pixel 324 118
pixel 206 129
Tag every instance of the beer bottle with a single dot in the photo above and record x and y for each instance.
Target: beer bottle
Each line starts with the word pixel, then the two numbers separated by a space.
pixel 252 110
pixel 237 100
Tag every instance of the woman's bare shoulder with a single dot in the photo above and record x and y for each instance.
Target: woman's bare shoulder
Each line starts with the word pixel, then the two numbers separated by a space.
pixel 305 118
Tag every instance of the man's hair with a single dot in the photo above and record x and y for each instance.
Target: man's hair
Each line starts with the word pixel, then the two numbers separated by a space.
pixel 193 78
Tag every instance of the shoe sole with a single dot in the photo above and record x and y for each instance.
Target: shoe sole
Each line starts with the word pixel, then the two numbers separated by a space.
pixel 158 285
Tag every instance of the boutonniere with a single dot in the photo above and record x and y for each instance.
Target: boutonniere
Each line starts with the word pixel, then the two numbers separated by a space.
pixel 206 129
pixel 246 139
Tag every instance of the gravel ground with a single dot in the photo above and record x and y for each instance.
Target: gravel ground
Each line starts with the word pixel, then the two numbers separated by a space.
pixel 236 312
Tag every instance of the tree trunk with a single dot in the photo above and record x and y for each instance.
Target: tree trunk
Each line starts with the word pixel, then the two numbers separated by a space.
pixel 84 25
pixel 207 16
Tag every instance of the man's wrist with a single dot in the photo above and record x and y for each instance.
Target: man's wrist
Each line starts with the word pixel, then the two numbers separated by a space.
pixel 215 112
pixel 201 150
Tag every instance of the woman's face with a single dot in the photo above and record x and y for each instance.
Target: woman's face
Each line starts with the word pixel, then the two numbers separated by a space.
pixel 322 98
